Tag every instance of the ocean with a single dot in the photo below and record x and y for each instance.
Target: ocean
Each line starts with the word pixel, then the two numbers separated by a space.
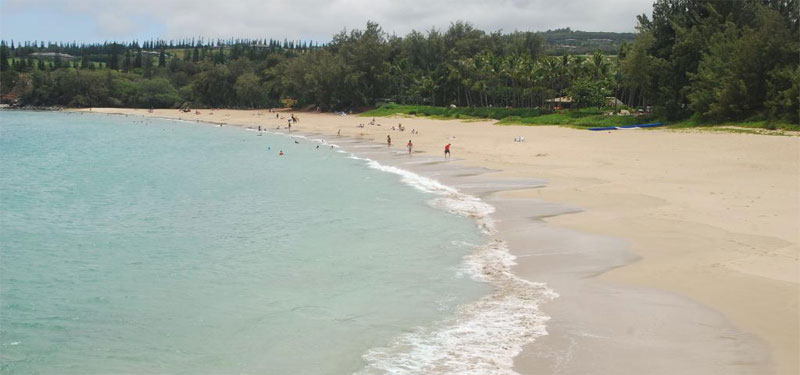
pixel 155 246
pixel 131 245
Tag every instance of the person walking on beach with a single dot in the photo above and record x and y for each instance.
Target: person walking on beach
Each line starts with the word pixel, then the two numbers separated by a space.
pixel 410 146
pixel 389 141
pixel 447 151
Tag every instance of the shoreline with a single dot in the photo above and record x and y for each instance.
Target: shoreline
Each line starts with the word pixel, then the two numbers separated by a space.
pixel 597 273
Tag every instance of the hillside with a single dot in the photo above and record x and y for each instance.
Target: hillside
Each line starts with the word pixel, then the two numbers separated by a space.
pixel 575 42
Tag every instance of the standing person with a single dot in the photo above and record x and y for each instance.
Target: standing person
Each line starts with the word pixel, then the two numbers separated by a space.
pixel 389 140
pixel 410 146
pixel 447 151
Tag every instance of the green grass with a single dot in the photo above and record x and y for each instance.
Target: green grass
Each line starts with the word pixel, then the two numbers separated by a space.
pixel 451 113
pixel 583 118
pixel 586 117
pixel 741 125
pixel 580 118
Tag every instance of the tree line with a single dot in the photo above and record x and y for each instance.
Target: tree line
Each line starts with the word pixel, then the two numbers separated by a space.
pixel 713 59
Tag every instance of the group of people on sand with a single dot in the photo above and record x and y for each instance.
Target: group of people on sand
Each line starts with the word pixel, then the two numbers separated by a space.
pixel 400 127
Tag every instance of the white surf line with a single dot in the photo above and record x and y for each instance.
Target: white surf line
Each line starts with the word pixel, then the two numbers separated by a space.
pixel 484 336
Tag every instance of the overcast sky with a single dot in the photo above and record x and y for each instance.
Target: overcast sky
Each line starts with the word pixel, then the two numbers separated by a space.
pixel 318 20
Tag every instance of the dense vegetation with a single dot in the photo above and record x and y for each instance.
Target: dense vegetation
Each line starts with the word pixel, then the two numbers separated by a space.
pixel 711 60
pixel 718 60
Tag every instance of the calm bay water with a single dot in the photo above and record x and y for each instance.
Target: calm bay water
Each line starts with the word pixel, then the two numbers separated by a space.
pixel 153 246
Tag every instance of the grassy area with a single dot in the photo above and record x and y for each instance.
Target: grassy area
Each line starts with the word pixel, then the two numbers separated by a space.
pixel 742 125
pixel 451 113
pixel 587 117
pixel 581 118
pixel 11 60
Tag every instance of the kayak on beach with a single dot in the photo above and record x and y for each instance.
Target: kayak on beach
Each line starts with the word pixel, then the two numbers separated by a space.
pixel 653 125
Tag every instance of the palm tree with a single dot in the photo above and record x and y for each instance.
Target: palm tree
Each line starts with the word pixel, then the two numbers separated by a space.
pixel 552 71
pixel 599 66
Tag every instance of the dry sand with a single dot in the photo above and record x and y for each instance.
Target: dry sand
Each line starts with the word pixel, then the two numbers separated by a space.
pixel 712 218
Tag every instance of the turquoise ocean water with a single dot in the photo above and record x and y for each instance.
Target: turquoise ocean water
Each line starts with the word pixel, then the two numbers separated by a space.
pixel 153 246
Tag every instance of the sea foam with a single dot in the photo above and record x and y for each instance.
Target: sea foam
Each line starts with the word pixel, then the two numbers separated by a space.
pixel 482 337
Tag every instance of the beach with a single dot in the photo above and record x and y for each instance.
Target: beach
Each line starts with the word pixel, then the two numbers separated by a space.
pixel 671 251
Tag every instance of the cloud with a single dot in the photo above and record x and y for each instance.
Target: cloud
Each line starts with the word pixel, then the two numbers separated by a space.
pixel 115 25
pixel 319 19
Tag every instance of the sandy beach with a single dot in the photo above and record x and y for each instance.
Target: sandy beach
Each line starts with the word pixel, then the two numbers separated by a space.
pixel 672 251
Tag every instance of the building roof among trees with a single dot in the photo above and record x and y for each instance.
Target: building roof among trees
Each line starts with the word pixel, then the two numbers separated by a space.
pixel 52 55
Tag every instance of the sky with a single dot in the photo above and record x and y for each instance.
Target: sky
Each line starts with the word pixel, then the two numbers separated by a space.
pixel 316 20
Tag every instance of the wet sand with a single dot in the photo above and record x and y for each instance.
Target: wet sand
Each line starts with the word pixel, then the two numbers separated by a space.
pixel 672 252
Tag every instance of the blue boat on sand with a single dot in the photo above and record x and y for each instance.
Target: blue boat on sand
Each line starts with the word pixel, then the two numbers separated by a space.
pixel 653 125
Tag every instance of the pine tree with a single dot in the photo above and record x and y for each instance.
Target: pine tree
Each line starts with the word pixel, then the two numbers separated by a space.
pixel 113 59
pixel 220 57
pixel 126 62
pixel 137 62
pixel 4 56
pixel 162 59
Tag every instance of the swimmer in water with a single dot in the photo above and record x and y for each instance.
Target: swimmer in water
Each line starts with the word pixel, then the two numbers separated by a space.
pixel 280 153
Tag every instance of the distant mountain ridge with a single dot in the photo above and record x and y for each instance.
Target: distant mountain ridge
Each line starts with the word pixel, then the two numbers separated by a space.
pixel 577 42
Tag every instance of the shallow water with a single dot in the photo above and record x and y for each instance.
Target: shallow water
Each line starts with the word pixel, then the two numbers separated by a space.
pixel 130 245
